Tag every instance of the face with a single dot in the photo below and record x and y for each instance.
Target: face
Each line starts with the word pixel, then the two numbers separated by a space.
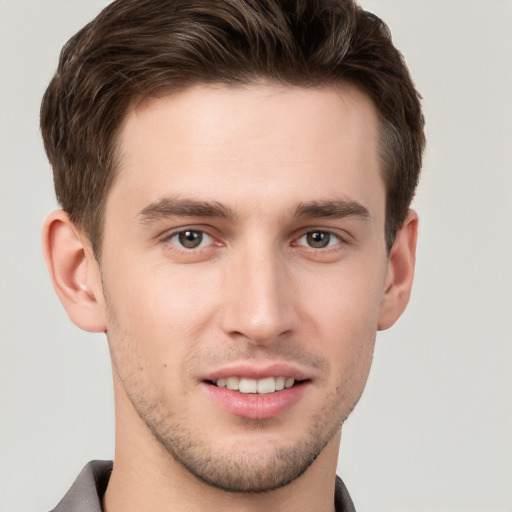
pixel 243 268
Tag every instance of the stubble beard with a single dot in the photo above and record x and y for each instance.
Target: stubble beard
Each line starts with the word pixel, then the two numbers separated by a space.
pixel 240 470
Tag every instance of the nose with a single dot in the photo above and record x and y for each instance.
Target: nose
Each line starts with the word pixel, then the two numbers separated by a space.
pixel 259 303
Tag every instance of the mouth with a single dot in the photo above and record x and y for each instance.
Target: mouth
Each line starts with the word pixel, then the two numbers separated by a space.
pixel 247 385
pixel 257 391
pixel 256 398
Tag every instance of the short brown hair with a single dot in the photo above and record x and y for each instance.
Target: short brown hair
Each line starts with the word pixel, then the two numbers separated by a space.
pixel 138 48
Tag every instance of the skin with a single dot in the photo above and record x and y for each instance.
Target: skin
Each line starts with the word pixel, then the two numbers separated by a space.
pixel 259 289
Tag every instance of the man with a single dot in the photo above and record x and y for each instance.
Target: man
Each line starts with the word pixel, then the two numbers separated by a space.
pixel 235 179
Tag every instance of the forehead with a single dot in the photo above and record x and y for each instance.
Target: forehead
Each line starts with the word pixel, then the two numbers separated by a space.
pixel 223 142
pixel 238 115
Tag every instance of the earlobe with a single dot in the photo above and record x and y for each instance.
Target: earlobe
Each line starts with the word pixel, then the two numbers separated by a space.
pixel 74 272
pixel 402 258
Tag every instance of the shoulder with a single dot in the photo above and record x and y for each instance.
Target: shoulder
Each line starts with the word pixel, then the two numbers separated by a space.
pixel 342 500
pixel 87 491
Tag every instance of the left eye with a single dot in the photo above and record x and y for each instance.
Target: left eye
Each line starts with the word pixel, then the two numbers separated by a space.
pixel 191 239
pixel 318 239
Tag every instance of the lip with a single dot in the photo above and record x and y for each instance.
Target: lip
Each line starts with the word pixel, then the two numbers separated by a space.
pixel 255 372
pixel 256 406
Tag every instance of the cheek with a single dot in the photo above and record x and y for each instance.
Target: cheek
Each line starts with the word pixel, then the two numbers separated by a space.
pixel 158 316
pixel 346 298
pixel 344 312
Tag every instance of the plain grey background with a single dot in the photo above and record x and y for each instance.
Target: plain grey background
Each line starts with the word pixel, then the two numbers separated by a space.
pixel 433 431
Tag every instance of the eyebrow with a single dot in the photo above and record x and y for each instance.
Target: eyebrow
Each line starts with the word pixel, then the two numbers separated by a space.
pixel 178 207
pixel 174 206
pixel 336 209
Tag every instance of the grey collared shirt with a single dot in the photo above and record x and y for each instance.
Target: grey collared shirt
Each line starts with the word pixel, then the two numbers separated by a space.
pixel 87 492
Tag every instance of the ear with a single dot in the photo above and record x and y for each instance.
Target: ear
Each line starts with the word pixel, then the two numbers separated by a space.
pixel 74 272
pixel 399 277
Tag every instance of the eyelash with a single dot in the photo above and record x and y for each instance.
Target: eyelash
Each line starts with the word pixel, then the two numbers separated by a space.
pixel 173 239
pixel 175 235
pixel 324 233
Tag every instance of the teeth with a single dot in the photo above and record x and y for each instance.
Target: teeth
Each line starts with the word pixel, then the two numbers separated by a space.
pixel 280 383
pixel 288 383
pixel 248 385
pixel 260 386
pixel 266 385
pixel 232 383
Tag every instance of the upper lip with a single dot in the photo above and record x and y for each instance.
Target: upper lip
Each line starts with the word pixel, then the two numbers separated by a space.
pixel 252 371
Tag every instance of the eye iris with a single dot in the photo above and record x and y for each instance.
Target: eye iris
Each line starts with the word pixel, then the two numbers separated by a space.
pixel 318 239
pixel 190 239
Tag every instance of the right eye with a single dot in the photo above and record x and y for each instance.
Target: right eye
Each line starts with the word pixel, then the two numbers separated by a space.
pixel 190 239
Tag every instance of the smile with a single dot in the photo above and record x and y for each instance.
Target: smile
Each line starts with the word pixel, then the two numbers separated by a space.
pixel 255 386
pixel 256 398
pixel 257 391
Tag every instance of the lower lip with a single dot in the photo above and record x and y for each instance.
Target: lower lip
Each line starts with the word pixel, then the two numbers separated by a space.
pixel 255 406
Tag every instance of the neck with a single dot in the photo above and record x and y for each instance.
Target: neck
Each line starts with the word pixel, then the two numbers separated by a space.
pixel 147 477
